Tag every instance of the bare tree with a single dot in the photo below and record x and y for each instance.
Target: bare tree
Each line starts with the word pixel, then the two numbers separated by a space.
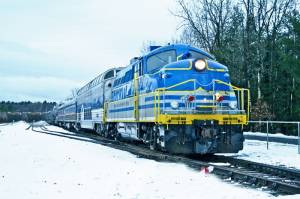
pixel 146 45
pixel 205 20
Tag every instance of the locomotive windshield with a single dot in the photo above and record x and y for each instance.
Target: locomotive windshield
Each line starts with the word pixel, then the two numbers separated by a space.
pixel 197 55
pixel 159 60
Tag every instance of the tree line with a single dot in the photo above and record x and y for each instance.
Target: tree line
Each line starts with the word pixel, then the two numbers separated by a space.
pixel 259 41
pixel 26 110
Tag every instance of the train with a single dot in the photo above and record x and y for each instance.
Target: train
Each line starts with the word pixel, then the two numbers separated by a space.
pixel 174 98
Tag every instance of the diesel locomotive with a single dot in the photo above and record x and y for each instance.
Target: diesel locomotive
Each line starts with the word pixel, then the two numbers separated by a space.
pixel 175 98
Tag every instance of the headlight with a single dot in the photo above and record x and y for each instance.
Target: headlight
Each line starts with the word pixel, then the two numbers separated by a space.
pixel 233 105
pixel 200 64
pixel 174 104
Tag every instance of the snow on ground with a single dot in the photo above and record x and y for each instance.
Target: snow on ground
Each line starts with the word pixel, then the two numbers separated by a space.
pixel 278 153
pixel 35 165
pixel 277 135
pixel 40 123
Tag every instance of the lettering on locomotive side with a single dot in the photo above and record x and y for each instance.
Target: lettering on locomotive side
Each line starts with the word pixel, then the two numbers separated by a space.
pixel 178 118
pixel 230 118
pixel 121 104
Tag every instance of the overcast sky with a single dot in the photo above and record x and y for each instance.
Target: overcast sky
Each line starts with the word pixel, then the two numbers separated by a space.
pixel 48 47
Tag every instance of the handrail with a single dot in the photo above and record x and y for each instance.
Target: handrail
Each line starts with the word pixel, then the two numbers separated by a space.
pixel 175 85
pixel 241 96
pixel 195 81
pixel 156 106
pixel 104 118
pixel 242 90
pixel 227 84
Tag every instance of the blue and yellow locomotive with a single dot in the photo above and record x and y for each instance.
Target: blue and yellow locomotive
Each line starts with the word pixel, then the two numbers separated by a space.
pixel 176 98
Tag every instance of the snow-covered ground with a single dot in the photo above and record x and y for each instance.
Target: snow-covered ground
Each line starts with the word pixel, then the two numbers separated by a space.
pixel 278 154
pixel 277 135
pixel 35 165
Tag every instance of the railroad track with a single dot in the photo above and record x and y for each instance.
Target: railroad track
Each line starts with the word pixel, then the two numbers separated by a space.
pixel 275 179
pixel 278 178
pixel 279 171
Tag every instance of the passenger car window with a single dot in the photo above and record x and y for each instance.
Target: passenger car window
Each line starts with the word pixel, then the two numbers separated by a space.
pixel 159 60
pixel 128 76
pixel 109 74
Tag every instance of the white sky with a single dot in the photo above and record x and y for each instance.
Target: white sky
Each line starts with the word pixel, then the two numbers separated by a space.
pixel 48 47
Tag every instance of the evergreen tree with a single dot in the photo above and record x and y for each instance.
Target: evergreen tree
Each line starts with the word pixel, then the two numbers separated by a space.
pixel 259 42
pixel 290 70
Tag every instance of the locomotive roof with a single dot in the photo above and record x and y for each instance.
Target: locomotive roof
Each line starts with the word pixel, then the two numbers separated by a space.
pixel 66 102
pixel 96 80
pixel 178 46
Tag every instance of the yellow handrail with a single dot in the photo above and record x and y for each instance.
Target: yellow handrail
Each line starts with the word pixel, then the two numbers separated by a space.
pixel 242 93
pixel 136 97
pixel 175 85
pixel 240 97
pixel 104 118
pixel 225 83
pixel 242 90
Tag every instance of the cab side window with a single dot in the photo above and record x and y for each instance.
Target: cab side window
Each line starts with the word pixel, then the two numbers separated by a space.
pixel 109 74
pixel 159 60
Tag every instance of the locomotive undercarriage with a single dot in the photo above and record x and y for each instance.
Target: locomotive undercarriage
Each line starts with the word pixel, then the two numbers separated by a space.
pixel 202 137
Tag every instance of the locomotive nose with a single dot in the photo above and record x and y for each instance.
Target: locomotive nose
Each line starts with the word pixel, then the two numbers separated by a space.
pixel 215 66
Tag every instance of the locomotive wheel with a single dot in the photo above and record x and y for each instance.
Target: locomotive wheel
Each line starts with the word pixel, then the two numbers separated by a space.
pixel 98 129
pixel 118 137
pixel 77 127
pixel 153 146
pixel 153 139
pixel 106 134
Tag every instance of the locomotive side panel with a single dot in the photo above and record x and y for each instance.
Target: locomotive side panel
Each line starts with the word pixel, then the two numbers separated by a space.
pixel 121 111
pixel 146 107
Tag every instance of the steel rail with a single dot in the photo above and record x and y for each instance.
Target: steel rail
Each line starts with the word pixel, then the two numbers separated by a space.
pixel 270 169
